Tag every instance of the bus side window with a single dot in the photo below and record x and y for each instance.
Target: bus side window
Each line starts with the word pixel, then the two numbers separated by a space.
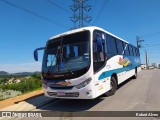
pixel 120 47
pixel 130 50
pixel 98 50
pixel 138 52
pixel 134 51
pixel 126 51
pixel 111 46
pixel 99 47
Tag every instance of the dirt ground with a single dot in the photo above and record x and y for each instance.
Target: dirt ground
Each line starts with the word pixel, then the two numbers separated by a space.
pixel 14 100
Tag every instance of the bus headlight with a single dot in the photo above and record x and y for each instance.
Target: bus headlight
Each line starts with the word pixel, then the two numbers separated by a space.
pixel 44 84
pixel 83 84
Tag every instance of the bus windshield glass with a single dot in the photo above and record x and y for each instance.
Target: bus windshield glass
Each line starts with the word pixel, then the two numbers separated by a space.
pixel 67 53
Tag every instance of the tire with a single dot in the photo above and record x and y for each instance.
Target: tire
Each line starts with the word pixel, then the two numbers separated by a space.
pixel 113 84
pixel 135 74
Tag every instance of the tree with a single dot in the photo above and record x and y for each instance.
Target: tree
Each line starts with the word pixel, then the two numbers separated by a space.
pixel 3 80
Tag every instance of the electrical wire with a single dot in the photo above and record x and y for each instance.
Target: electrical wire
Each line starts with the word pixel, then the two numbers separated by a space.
pixel 152 45
pixel 152 34
pixel 51 2
pixel 94 6
pixel 33 13
pixel 101 10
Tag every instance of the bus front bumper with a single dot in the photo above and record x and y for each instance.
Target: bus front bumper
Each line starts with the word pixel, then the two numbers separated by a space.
pixel 83 93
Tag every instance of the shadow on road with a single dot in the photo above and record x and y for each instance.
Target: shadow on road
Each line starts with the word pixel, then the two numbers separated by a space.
pixel 71 105
pixel 119 86
pixel 125 82
pixel 68 105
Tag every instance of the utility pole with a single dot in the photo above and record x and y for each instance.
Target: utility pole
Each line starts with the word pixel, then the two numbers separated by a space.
pixel 139 41
pixel 80 9
pixel 147 60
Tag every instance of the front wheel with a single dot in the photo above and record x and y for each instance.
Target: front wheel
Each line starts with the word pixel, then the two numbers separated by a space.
pixel 113 85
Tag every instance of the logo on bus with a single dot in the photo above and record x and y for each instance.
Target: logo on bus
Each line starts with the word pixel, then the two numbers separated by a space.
pixel 62 83
pixel 125 62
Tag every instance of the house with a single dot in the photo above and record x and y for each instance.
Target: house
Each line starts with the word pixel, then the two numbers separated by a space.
pixel 155 65
pixel 13 80
pixel 143 66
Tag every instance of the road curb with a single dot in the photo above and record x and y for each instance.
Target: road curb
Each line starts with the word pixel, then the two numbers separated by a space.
pixel 27 106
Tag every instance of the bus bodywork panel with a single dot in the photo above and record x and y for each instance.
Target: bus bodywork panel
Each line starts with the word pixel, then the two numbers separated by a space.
pixel 73 76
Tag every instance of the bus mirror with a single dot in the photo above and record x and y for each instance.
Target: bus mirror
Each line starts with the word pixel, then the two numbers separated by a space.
pixel 99 44
pixel 36 53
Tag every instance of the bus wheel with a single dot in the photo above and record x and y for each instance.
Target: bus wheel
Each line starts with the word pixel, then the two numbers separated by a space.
pixel 135 74
pixel 113 85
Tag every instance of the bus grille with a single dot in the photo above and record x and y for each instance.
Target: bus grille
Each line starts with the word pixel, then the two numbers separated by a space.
pixel 62 87
pixel 70 94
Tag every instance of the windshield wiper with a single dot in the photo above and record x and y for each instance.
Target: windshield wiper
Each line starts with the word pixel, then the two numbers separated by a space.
pixel 52 60
pixel 71 71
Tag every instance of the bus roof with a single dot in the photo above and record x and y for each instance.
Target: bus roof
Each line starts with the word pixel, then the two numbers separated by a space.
pixel 90 28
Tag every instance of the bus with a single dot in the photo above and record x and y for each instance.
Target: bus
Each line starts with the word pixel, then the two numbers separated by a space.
pixel 87 62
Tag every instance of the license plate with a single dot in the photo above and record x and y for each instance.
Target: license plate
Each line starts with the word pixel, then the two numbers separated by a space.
pixel 60 93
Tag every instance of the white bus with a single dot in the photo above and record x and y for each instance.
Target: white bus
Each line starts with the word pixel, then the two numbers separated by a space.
pixel 86 63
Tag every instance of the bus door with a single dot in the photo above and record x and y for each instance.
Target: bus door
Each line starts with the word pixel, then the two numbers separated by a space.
pixel 99 63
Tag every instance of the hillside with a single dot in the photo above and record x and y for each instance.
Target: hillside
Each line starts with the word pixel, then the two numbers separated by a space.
pixel 4 73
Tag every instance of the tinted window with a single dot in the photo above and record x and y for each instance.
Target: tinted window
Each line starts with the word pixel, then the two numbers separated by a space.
pixel 134 51
pixel 138 54
pixel 111 45
pixel 98 55
pixel 120 46
pixel 130 50
pixel 126 50
pixel 67 52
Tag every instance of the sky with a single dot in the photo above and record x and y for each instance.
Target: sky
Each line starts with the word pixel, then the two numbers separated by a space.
pixel 21 32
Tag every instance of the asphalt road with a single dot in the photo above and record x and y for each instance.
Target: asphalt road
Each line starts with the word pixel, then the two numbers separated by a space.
pixel 141 94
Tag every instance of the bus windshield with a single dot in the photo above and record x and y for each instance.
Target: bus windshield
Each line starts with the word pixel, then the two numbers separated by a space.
pixel 67 53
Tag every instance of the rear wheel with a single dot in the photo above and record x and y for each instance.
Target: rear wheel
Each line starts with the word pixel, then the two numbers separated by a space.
pixel 113 85
pixel 135 74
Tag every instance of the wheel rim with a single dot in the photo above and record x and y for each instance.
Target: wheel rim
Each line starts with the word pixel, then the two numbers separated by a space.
pixel 135 74
pixel 111 86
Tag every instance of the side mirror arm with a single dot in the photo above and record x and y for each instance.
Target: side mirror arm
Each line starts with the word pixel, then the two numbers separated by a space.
pixel 36 53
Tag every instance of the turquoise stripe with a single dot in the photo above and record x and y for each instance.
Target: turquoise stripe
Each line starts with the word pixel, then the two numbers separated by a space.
pixel 119 70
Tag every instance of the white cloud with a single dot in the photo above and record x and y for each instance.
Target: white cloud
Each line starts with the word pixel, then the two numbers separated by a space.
pixel 24 67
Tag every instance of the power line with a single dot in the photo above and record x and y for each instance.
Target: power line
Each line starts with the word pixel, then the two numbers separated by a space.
pixel 152 34
pixel 152 45
pixel 101 10
pixel 94 6
pixel 51 2
pixel 95 3
pixel 33 13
